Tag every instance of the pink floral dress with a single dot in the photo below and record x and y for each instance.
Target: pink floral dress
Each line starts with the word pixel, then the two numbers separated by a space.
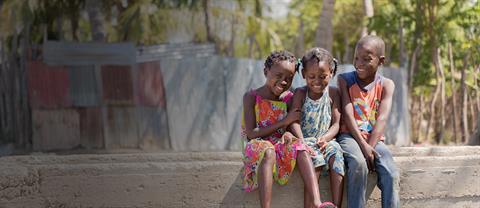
pixel 268 112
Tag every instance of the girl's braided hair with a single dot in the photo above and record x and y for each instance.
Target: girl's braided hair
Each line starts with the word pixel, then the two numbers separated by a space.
pixel 278 56
pixel 319 54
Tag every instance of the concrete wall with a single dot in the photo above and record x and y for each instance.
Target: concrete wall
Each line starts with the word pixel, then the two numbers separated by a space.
pixel 204 101
pixel 430 177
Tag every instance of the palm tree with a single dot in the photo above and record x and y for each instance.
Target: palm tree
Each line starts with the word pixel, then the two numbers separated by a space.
pixel 93 8
pixel 324 33
pixel 368 8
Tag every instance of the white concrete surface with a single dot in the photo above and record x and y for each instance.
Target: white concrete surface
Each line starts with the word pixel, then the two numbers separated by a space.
pixel 430 177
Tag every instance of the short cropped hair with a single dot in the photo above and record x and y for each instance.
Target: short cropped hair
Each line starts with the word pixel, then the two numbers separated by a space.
pixel 375 41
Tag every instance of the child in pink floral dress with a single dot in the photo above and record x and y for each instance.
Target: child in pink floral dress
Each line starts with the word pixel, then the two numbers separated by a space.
pixel 271 152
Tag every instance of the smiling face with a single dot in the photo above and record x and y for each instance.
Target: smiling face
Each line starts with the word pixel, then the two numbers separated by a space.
pixel 317 75
pixel 367 60
pixel 279 77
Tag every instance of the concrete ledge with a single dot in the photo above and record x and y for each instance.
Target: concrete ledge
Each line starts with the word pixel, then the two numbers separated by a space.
pixel 430 177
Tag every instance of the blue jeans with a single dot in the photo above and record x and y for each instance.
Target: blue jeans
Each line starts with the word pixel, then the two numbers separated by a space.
pixel 357 173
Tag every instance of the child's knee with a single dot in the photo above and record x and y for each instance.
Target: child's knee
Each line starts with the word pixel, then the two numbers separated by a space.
pixel 390 177
pixel 358 164
pixel 303 155
pixel 269 155
pixel 383 150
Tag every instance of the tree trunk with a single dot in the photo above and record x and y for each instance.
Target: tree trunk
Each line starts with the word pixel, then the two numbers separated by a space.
pixel 403 62
pixel 432 111
pixel 463 95
pixel 5 121
pixel 440 88
pixel 454 93
pixel 347 57
pixel 24 111
pixel 59 28
pixel 421 108
pixel 207 22
pixel 416 106
pixel 74 7
pixel 74 25
pixel 95 17
pixel 413 66
pixel 475 138
pixel 368 10
pixel 439 66
pixel 13 67
pixel 324 32
pixel 74 18
pixel 300 46
pixel 476 93
pixel 473 114
pixel 388 52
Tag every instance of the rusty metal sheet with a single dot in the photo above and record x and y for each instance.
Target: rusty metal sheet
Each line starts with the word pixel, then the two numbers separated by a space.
pixel 151 91
pixel 55 129
pixel 153 128
pixel 117 84
pixel 121 130
pixel 91 128
pixel 70 53
pixel 48 86
pixel 176 51
pixel 83 86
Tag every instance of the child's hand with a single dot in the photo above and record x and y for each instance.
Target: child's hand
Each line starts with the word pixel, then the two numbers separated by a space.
pixel 369 153
pixel 287 138
pixel 322 143
pixel 292 116
pixel 310 151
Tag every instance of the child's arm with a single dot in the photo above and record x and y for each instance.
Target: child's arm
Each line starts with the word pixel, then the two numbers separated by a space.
pixel 296 105
pixel 347 113
pixel 250 123
pixel 335 123
pixel 383 112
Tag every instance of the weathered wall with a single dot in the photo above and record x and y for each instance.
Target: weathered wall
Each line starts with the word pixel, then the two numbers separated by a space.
pixel 430 177
pixel 99 96
pixel 204 101
pixel 178 97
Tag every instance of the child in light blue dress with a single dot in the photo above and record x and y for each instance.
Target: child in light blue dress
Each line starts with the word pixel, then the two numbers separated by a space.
pixel 320 118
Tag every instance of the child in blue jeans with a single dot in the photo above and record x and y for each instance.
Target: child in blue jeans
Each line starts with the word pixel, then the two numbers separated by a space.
pixel 366 102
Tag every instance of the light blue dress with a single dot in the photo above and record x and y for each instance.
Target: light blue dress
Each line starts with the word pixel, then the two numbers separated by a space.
pixel 316 120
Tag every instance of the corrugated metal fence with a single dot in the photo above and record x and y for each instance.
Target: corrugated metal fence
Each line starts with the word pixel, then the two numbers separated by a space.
pixel 175 97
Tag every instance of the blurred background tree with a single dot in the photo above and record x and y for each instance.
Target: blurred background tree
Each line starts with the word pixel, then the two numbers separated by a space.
pixel 436 41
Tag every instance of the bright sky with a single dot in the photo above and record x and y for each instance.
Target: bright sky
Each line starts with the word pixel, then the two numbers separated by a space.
pixel 278 8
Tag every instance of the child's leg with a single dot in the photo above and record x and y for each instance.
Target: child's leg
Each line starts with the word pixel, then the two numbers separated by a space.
pixel 336 166
pixel 265 179
pixel 388 176
pixel 336 184
pixel 357 171
pixel 306 170
pixel 307 199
